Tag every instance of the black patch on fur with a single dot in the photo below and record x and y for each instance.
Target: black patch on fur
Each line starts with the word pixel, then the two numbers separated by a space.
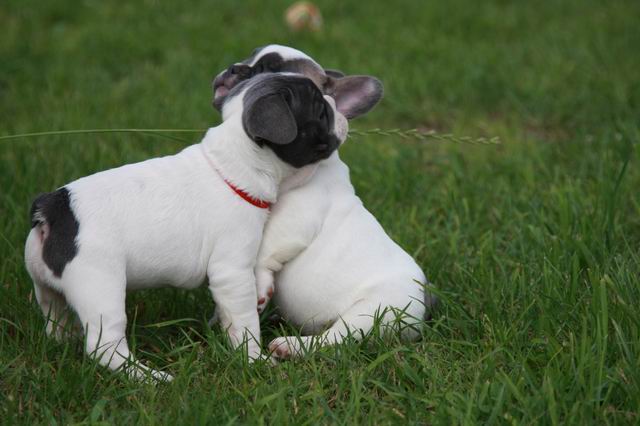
pixel 54 209
pixel 313 116
pixel 271 62
pixel 255 53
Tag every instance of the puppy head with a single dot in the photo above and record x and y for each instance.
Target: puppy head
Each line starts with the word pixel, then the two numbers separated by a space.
pixel 354 95
pixel 288 114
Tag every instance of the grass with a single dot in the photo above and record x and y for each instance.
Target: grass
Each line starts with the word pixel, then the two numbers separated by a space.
pixel 534 244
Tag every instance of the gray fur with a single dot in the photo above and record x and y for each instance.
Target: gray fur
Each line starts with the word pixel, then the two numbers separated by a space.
pixel 267 116
pixel 355 95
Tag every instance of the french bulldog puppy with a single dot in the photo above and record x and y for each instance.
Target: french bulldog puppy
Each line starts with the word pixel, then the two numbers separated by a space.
pixel 333 267
pixel 180 219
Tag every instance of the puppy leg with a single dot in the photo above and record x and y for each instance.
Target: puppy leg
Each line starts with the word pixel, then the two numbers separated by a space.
pixel 357 320
pixel 285 236
pixel 55 310
pixel 282 242
pixel 234 291
pixel 98 297
pixel 52 303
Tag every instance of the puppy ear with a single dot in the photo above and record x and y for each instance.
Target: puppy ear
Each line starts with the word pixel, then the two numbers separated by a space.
pixel 270 118
pixel 334 73
pixel 354 95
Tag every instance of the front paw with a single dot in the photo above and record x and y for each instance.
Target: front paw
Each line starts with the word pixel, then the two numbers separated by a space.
pixel 264 297
pixel 265 288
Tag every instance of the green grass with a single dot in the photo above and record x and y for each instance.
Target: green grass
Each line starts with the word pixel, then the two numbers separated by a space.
pixel 534 244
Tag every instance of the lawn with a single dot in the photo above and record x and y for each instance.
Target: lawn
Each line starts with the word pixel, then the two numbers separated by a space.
pixel 534 244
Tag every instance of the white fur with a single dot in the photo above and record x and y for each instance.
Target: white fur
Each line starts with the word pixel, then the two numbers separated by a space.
pixel 334 265
pixel 285 52
pixel 165 221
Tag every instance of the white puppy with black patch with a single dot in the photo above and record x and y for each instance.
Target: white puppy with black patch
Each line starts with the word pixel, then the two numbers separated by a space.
pixel 334 267
pixel 180 219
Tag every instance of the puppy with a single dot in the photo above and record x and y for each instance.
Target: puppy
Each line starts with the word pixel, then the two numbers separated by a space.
pixel 180 219
pixel 334 265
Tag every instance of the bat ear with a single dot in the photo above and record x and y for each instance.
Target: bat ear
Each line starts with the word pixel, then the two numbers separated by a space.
pixel 270 118
pixel 355 95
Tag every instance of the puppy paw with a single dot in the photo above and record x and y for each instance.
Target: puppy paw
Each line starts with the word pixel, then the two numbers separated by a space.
pixel 64 329
pixel 264 287
pixel 264 297
pixel 141 373
pixel 55 331
pixel 161 376
pixel 280 348
pixel 289 347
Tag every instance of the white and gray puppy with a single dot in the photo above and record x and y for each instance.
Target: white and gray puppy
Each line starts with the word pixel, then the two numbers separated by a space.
pixel 335 267
pixel 180 219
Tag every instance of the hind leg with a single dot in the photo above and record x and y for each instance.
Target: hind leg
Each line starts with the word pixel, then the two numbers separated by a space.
pixel 52 303
pixel 356 321
pixel 55 310
pixel 99 300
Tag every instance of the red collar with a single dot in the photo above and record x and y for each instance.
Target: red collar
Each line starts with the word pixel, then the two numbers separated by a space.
pixel 261 204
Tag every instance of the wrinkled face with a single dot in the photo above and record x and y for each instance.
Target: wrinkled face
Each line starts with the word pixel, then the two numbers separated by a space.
pixel 354 95
pixel 272 58
pixel 288 114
